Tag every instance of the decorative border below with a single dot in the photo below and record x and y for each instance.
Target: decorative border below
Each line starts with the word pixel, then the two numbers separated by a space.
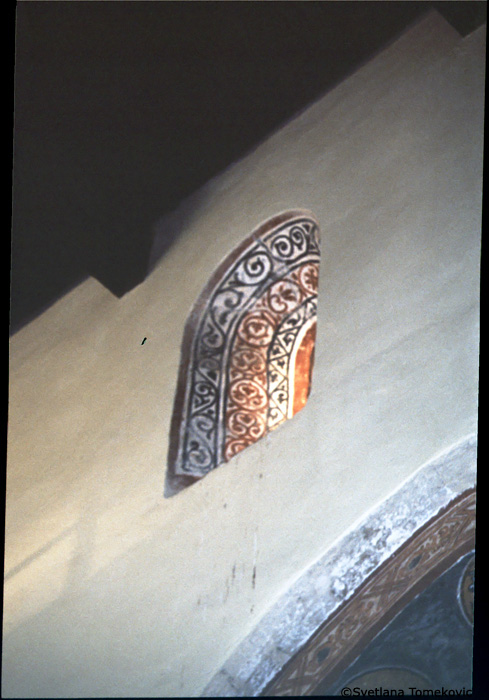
pixel 430 552
pixel 316 596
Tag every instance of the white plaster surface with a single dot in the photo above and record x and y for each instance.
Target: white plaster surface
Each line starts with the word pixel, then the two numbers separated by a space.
pixel 336 575
pixel 112 590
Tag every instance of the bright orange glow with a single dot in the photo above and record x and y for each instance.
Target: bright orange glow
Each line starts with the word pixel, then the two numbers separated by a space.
pixel 304 362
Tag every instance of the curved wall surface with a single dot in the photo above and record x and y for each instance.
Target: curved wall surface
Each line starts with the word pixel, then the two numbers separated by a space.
pixel 111 589
pixel 345 598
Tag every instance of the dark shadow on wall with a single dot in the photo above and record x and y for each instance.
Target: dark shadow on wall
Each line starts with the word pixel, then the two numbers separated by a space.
pixel 124 109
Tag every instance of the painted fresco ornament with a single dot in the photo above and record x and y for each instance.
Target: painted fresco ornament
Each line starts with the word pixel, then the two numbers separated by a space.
pixel 466 591
pixel 248 348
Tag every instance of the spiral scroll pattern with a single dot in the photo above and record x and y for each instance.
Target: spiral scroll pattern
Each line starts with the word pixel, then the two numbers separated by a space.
pixel 236 374
pixel 268 330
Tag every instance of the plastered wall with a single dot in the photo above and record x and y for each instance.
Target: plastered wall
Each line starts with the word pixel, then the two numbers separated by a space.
pixel 112 590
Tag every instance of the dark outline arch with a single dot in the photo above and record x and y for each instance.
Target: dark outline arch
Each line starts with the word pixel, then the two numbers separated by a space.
pixel 265 276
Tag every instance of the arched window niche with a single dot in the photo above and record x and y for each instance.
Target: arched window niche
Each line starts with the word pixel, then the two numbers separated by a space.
pixel 248 348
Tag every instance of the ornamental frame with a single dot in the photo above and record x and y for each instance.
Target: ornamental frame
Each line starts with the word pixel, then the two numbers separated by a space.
pixel 242 342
